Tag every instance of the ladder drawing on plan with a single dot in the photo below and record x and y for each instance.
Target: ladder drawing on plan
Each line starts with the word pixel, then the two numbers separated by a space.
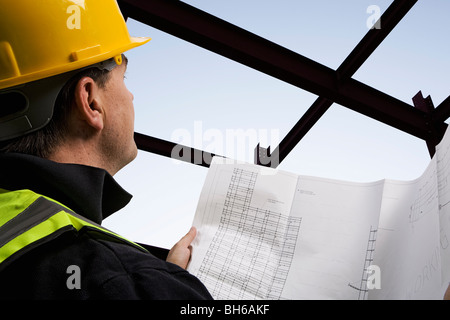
pixel 362 285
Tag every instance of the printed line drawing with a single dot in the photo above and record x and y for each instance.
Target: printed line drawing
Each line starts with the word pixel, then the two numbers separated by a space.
pixel 252 250
pixel 361 286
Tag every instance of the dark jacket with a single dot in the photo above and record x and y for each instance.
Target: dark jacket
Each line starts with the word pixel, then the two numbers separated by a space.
pixel 108 270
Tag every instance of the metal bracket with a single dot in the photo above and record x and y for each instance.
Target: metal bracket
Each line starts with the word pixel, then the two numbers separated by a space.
pixel 264 157
pixel 426 105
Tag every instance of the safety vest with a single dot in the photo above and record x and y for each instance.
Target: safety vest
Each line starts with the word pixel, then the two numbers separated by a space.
pixel 28 219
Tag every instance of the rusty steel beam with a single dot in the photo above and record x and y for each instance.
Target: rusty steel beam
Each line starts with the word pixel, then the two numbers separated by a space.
pixel 207 31
pixel 374 37
pixel 439 127
pixel 442 111
pixel 173 150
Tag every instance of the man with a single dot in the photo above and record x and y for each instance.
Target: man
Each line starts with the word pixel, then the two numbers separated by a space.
pixel 66 127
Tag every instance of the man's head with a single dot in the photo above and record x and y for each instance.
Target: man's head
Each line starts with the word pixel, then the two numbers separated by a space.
pixel 44 85
pixel 93 107
pixel 103 119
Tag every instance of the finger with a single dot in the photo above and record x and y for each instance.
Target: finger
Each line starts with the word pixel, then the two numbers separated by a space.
pixel 188 238
pixel 447 294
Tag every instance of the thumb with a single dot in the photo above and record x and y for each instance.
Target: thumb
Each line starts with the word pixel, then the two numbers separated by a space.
pixel 188 238
pixel 180 254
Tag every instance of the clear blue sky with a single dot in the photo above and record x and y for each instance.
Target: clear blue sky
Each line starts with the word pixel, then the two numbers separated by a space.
pixel 189 95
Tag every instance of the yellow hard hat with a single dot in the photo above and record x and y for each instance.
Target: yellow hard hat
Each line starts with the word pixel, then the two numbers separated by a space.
pixel 41 42
pixel 39 39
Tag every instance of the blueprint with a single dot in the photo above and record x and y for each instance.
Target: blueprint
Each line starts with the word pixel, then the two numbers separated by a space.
pixel 269 234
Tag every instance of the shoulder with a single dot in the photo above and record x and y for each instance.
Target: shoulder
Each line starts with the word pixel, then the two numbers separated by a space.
pixel 104 269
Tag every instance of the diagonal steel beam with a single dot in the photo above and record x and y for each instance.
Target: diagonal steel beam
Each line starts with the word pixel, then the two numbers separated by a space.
pixel 374 37
pixel 442 111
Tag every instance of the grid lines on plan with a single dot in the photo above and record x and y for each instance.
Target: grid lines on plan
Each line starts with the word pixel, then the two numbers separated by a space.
pixel 253 248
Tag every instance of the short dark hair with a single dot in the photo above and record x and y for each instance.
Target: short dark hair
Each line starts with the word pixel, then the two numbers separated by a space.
pixel 42 142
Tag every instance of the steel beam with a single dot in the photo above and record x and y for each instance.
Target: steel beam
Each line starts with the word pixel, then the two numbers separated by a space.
pixel 205 30
pixel 427 105
pixel 390 18
pixel 442 111
pixel 374 37
pixel 173 150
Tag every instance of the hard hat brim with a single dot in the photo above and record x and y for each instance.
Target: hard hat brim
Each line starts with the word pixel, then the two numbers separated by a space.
pixel 76 60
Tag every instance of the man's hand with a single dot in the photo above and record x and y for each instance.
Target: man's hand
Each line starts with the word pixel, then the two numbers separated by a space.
pixel 180 254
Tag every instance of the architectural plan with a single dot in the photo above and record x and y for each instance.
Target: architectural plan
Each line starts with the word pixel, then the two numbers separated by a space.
pixel 270 234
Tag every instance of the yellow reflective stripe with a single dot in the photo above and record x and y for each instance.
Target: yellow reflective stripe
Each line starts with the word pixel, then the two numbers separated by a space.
pixel 34 234
pixel 55 221
pixel 78 222
pixel 13 203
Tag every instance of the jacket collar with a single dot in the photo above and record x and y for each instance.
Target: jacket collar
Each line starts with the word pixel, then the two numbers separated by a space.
pixel 89 191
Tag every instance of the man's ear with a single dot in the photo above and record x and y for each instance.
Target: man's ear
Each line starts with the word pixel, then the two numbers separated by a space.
pixel 88 103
